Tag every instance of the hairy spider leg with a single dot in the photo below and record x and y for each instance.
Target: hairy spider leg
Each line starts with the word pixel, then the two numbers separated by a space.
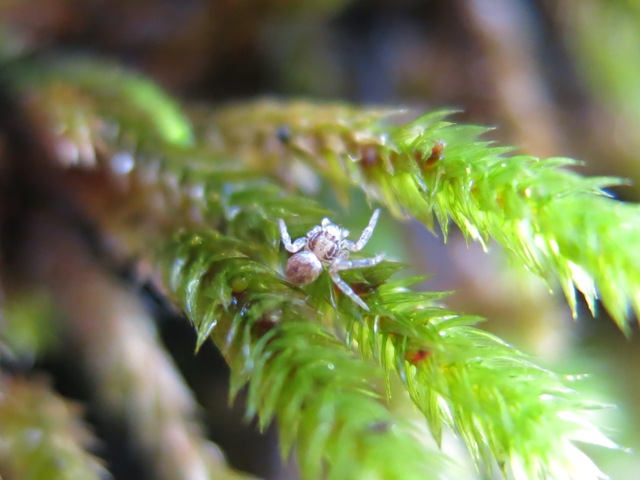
pixel 346 289
pixel 366 234
pixel 294 247
pixel 344 264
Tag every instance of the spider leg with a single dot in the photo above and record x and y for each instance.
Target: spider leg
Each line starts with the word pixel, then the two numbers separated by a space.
pixel 346 289
pixel 313 231
pixel 343 264
pixel 366 234
pixel 294 247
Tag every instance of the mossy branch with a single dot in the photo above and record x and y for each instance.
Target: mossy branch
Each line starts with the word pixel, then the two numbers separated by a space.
pixel 505 407
pixel 449 368
pixel 560 225
pixel 318 348
pixel 327 401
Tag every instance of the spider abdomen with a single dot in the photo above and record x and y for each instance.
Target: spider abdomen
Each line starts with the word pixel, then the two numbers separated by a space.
pixel 303 268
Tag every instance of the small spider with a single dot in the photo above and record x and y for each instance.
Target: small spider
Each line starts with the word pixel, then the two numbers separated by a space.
pixel 326 245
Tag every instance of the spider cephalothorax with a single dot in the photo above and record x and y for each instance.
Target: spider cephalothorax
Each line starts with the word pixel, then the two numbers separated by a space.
pixel 326 245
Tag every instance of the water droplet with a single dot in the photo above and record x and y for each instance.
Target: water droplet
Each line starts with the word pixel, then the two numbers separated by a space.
pixel 122 163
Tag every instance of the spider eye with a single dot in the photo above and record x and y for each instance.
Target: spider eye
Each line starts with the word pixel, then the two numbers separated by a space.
pixel 333 232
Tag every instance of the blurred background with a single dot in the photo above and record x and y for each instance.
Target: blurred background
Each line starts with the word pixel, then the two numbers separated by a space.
pixel 556 77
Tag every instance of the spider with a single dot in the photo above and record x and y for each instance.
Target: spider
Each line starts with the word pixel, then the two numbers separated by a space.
pixel 326 245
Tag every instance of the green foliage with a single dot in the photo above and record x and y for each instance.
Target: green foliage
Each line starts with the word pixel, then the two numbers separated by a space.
pixel 524 416
pixel 560 225
pixel 41 436
pixel 104 88
pixel 521 416
pixel 311 358
pixel 326 399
